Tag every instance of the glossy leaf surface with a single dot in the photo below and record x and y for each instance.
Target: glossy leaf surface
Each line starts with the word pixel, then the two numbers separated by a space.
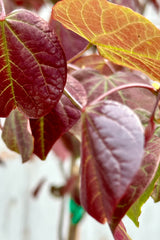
pixel 141 180
pixel 16 135
pixel 112 151
pixel 32 66
pixel 48 129
pixel 120 34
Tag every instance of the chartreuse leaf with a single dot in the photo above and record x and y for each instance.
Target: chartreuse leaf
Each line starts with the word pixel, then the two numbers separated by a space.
pixel 120 34
pixel 16 135
pixel 135 211
pixel 112 152
pixel 144 176
pixel 32 65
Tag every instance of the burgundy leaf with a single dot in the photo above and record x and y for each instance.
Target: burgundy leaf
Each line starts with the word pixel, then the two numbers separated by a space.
pixel 48 129
pixel 32 67
pixel 141 180
pixel 96 84
pixel 11 5
pixel 16 135
pixel 97 62
pixel 131 4
pixel 71 42
pixel 112 151
pixel 121 233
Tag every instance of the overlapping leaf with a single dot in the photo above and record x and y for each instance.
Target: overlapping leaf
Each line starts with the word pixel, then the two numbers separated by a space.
pixel 135 211
pixel 112 151
pixel 120 34
pixel 71 42
pixel 48 129
pixel 16 135
pixel 98 63
pixel 140 181
pixel 96 84
pixel 32 65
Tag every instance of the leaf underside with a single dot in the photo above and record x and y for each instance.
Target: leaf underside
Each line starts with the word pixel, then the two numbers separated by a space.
pixel 120 34
pixel 112 151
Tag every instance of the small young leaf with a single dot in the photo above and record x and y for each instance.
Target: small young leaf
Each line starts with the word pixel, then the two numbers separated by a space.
pixel 16 135
pixel 120 34
pixel 32 66
pixel 112 151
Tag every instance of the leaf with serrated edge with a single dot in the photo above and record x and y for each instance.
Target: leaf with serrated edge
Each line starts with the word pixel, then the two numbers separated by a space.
pixel 32 66
pixel 16 135
pixel 120 34
pixel 112 151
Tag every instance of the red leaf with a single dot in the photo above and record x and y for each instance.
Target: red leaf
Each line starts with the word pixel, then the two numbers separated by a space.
pixel 48 129
pixel 16 135
pixel 112 151
pixel 141 180
pixel 71 42
pixel 121 233
pixel 32 67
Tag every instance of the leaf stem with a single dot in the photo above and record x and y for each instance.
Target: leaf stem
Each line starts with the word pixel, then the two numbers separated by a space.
pixel 72 99
pixel 122 87
pixel 3 12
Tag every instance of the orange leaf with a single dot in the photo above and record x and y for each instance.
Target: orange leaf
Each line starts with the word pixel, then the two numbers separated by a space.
pixel 121 35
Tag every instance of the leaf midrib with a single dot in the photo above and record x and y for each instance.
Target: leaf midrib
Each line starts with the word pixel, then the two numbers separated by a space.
pixel 6 58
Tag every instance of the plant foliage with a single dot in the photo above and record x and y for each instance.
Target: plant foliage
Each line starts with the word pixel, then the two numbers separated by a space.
pixel 100 107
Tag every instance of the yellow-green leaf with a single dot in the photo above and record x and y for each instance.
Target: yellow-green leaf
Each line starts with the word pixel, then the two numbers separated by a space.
pixel 120 34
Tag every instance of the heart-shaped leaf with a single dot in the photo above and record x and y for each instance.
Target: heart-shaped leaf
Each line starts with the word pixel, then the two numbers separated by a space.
pixel 16 135
pixel 120 34
pixel 32 66
pixel 112 152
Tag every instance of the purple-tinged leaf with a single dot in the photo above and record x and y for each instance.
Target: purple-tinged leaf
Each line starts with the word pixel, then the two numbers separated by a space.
pixel 97 62
pixel 131 4
pixel 71 42
pixel 32 67
pixel 141 180
pixel 11 5
pixel 16 135
pixel 121 233
pixel 112 152
pixel 96 84
pixel 156 192
pixel 48 129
